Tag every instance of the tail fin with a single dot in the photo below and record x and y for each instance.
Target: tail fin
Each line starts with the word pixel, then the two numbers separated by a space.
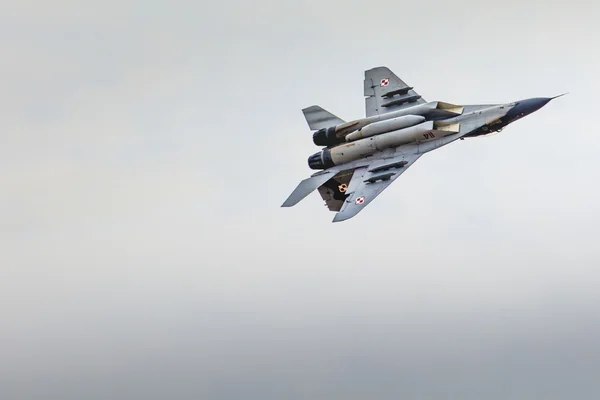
pixel 318 118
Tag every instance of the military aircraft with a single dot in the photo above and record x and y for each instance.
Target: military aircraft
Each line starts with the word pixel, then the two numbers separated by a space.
pixel 363 157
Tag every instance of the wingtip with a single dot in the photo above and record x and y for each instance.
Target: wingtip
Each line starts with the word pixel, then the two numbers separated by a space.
pixel 342 216
pixel 337 218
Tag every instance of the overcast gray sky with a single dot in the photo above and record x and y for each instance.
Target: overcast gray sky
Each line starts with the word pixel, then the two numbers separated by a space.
pixel 145 149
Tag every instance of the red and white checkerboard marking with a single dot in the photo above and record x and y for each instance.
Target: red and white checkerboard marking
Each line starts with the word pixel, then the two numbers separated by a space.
pixel 359 200
pixel 384 82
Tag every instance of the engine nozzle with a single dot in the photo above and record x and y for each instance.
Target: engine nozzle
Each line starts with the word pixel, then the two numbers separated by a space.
pixel 320 160
pixel 326 137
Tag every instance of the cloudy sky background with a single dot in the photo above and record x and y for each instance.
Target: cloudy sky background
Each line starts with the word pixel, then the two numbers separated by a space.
pixel 145 149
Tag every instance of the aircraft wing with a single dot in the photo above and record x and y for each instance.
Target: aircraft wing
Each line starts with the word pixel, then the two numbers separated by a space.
pixel 369 181
pixel 385 92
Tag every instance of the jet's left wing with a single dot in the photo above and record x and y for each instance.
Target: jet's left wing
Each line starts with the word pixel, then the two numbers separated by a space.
pixel 368 182
pixel 385 92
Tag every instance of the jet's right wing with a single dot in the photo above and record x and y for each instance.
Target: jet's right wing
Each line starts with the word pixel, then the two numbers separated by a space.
pixel 368 182
pixel 385 92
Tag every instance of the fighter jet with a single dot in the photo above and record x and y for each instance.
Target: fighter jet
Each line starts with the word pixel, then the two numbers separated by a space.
pixel 361 158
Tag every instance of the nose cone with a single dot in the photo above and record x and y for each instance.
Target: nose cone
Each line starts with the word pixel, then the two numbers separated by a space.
pixel 526 107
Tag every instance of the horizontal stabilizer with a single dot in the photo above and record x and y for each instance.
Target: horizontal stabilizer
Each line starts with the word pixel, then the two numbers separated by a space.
pixel 306 187
pixel 318 118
